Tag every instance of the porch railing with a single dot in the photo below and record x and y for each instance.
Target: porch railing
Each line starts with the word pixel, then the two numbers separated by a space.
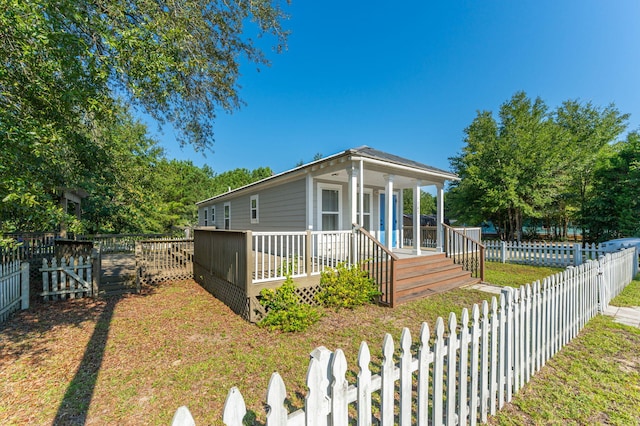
pixel 464 251
pixel 428 236
pixel 298 254
pixel 377 260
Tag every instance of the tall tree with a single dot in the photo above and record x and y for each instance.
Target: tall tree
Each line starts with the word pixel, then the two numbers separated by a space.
pixel 67 67
pixel 614 209
pixel 507 167
pixel 583 131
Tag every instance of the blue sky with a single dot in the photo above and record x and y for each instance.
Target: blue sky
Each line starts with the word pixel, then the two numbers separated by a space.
pixel 408 77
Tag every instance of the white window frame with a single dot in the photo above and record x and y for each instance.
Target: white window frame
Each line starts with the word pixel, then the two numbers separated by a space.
pixel 205 220
pixel 256 208
pixel 227 215
pixel 331 187
pixel 213 215
pixel 368 192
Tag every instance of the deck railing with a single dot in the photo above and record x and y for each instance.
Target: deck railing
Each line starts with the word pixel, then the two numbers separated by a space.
pixel 377 260
pixel 428 236
pixel 464 251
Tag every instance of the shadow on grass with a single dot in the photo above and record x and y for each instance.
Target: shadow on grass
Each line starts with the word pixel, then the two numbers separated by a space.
pixel 76 401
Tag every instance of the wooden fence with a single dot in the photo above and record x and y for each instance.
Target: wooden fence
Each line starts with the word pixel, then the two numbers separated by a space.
pixel 68 278
pixel 14 288
pixel 541 253
pixel 461 374
pixel 163 259
pixel 120 243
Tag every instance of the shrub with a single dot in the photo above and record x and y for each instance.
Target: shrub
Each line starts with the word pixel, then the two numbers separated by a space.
pixel 285 310
pixel 346 287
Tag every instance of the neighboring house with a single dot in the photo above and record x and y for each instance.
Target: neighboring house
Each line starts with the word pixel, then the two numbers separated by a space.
pixel 324 199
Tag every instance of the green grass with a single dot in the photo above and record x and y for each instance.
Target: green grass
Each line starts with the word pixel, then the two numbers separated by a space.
pixel 148 363
pixel 595 379
pixel 512 275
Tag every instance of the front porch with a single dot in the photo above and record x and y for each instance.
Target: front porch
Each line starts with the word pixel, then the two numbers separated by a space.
pixel 236 265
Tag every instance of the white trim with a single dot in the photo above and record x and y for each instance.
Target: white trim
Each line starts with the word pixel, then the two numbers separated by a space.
pixel 256 208
pixel 227 217
pixel 213 215
pixel 363 214
pixel 205 220
pixel 330 187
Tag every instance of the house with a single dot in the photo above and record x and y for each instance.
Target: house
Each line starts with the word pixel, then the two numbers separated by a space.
pixel 315 215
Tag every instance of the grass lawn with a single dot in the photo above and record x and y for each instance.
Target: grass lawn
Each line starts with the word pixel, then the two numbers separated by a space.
pixel 134 360
pixel 512 275
pixel 595 379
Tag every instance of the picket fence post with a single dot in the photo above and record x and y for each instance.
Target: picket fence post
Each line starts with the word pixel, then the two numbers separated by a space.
pixel 24 271
pixel 577 254
pixel 503 251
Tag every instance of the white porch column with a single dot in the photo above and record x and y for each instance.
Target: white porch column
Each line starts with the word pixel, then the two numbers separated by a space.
pixel 361 200
pixel 416 219
pixel 388 212
pixel 440 218
pixel 310 198
pixel 352 172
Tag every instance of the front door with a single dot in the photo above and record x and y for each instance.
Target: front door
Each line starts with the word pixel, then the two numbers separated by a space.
pixel 383 220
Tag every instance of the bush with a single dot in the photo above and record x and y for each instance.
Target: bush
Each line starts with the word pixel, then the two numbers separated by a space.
pixel 285 310
pixel 346 287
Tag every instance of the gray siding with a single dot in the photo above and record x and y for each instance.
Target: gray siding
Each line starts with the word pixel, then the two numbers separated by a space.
pixel 281 208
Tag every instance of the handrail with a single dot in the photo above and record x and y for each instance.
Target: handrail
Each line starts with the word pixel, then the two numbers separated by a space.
pixel 464 251
pixel 378 260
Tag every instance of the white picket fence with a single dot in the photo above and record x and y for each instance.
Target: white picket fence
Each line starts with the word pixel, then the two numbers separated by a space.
pixel 462 374
pixel 67 279
pixel 540 253
pixel 14 288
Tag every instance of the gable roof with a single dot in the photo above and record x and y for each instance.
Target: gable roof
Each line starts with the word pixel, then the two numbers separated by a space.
pixel 365 153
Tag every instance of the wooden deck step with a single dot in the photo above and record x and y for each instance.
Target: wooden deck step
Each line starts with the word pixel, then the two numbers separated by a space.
pixel 422 276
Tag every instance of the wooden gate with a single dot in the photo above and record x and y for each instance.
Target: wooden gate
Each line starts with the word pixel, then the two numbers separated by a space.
pixel 67 279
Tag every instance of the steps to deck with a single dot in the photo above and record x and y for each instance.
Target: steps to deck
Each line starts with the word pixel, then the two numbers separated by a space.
pixel 419 277
pixel 118 275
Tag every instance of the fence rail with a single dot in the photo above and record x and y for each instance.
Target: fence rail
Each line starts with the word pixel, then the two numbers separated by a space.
pixel 541 253
pixel 14 288
pixel 461 374
pixel 120 243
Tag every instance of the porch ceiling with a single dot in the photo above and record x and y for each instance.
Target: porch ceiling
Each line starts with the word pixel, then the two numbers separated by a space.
pixel 375 176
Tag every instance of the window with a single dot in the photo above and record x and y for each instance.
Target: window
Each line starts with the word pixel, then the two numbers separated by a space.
pixel 254 208
pixel 330 208
pixel 366 202
pixel 227 215
pixel 205 217
pixel 213 215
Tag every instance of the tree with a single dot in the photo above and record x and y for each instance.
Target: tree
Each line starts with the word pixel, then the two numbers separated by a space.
pixel 68 68
pixel 583 133
pixel 507 168
pixel 614 209
pixel 427 202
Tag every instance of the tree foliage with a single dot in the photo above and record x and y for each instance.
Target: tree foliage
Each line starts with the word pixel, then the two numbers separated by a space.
pixel 71 72
pixel 531 164
pixel 427 202
pixel 614 209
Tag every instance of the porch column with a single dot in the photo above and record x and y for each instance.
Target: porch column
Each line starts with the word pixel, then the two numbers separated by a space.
pixel 310 197
pixel 440 217
pixel 352 172
pixel 416 219
pixel 361 185
pixel 388 212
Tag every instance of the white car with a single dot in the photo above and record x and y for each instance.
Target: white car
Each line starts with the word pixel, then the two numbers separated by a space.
pixel 620 243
